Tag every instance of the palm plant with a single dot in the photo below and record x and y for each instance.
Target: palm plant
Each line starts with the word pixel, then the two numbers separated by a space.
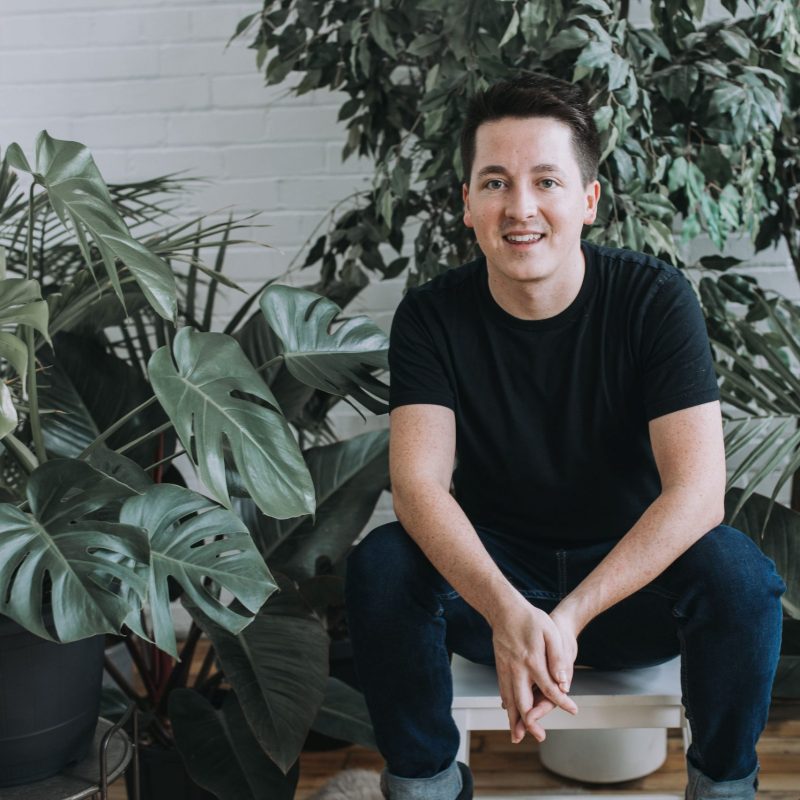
pixel 109 372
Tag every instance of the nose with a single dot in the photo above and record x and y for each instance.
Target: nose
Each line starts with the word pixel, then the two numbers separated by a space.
pixel 521 203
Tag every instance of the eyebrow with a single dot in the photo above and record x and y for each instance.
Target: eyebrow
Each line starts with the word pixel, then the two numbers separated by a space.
pixel 497 169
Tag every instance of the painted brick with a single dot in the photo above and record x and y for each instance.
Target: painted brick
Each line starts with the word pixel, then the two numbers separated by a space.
pixel 139 130
pixel 240 196
pixel 205 59
pixel 108 97
pixel 248 91
pixel 25 130
pixel 283 160
pixel 216 127
pixel 218 22
pixel 32 66
pixel 304 124
pixel 195 162
pixel 317 193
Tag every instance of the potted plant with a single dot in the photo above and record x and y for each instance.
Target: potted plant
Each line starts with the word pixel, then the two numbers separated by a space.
pixel 92 537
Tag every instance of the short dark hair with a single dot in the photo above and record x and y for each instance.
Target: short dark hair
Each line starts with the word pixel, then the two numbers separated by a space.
pixel 534 95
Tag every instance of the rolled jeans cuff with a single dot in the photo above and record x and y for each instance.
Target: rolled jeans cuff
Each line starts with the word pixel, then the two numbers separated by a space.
pixel 701 787
pixel 445 785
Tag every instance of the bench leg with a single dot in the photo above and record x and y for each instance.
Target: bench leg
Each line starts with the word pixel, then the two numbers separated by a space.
pixel 686 730
pixel 461 718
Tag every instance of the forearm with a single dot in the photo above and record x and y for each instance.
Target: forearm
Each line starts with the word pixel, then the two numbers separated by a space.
pixel 669 527
pixel 437 523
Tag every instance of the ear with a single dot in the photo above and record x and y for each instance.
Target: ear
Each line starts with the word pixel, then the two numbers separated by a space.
pixel 467 212
pixel 591 198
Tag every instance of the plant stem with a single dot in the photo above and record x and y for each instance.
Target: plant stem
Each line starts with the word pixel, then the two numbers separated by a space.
pixel 164 460
pixel 144 672
pixel 119 679
pixel 205 667
pixel 116 426
pixel 33 398
pixel 144 437
pixel 269 363
pixel 25 458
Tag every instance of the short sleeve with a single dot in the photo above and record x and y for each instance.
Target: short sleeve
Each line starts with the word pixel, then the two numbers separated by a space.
pixel 416 367
pixel 677 364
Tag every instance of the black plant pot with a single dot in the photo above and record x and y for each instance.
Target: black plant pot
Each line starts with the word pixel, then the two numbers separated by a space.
pixel 163 776
pixel 49 702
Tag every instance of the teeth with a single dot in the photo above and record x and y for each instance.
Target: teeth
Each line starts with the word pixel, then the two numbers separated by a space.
pixel 528 237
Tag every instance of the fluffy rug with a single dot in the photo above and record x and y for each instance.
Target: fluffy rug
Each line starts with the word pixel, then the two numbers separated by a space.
pixel 352 784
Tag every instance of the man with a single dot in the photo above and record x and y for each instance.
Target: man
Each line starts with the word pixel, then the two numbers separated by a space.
pixel 574 387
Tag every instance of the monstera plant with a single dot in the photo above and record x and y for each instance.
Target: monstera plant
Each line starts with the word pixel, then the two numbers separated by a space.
pixel 109 372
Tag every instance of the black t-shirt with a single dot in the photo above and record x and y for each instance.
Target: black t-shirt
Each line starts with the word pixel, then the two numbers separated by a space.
pixel 552 441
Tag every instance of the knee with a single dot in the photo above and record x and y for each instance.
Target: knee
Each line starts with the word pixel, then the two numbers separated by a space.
pixel 734 573
pixel 385 561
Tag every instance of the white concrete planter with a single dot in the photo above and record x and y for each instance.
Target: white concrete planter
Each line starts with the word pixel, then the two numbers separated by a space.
pixel 604 756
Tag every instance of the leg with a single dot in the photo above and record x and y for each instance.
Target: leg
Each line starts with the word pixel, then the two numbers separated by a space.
pixel 719 603
pixel 399 635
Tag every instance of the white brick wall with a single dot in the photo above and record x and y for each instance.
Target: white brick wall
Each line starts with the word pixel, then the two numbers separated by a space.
pixel 149 86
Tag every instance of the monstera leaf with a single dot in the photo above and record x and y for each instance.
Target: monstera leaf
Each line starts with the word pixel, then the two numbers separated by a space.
pixel 192 539
pixel 81 559
pixel 20 304
pixel 81 200
pixel 221 753
pixel 348 477
pixel 339 362
pixel 203 398
pixel 344 715
pixel 277 666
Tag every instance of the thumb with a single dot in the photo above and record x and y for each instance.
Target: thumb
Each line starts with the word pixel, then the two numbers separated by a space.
pixel 559 666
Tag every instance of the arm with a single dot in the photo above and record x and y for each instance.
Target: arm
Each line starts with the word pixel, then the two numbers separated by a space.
pixel 526 641
pixel 690 455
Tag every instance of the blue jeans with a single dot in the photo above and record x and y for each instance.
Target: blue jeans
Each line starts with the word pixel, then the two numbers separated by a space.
pixel 717 605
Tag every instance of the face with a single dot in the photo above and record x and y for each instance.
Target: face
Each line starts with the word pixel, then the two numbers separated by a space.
pixel 526 199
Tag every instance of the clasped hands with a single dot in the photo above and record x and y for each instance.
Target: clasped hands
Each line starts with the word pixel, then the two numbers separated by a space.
pixel 535 656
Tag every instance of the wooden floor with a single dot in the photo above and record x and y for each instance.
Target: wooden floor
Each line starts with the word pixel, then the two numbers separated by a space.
pixel 506 770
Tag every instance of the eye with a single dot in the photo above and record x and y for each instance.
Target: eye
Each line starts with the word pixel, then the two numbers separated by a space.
pixel 548 180
pixel 494 183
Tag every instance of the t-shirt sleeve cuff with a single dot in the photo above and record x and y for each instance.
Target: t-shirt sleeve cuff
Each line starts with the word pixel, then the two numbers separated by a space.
pixel 681 401
pixel 417 398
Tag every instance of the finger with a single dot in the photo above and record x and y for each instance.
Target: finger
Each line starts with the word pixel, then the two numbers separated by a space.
pixel 556 663
pixel 523 692
pixel 508 703
pixel 559 665
pixel 533 727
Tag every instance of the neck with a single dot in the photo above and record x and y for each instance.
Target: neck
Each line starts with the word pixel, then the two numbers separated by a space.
pixel 539 298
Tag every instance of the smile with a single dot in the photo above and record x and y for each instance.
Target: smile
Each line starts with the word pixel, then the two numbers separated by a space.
pixel 526 238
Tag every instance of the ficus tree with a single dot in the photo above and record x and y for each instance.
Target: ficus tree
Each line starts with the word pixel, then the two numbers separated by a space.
pixel 699 125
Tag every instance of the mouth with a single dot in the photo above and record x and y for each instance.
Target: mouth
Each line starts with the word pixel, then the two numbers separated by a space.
pixel 523 239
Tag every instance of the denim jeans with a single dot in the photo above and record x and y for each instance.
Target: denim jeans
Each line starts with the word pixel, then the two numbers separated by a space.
pixel 717 605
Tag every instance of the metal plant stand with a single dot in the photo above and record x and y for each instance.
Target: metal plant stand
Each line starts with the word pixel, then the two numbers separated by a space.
pixel 108 758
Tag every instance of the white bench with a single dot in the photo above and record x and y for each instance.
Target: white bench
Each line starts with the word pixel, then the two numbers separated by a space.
pixel 633 698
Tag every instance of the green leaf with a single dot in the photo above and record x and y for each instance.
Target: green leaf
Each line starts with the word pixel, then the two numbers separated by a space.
pixel 344 715
pixel 278 667
pixel 199 397
pixel 81 556
pixel 221 753
pixel 81 200
pixel 21 304
pixel 349 477
pixel 340 361
pixel 425 44
pixel 8 413
pixel 568 39
pixel 737 41
pixel 380 33
pixel 192 539
pixel 512 29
